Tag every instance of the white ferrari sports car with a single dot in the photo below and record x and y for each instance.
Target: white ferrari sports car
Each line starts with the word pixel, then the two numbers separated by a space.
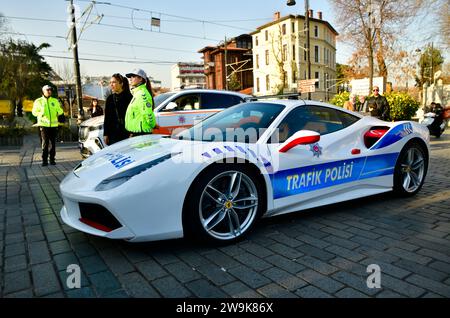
pixel 257 159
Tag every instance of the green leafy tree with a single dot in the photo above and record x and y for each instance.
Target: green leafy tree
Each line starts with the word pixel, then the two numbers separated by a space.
pixel 430 61
pixel 402 105
pixel 339 99
pixel 23 71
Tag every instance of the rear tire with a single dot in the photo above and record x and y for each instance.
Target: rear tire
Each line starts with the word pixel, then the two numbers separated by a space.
pixel 410 169
pixel 223 204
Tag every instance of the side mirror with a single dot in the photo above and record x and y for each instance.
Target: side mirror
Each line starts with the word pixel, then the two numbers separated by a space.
pixel 171 105
pixel 302 137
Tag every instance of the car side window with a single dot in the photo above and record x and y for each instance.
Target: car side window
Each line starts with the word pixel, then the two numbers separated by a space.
pixel 323 120
pixel 184 102
pixel 219 100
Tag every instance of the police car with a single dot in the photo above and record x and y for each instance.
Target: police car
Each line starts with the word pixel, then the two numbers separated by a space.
pixel 173 110
pixel 256 159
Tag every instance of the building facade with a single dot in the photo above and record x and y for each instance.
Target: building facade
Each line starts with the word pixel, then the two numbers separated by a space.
pixel 184 75
pixel 236 73
pixel 280 59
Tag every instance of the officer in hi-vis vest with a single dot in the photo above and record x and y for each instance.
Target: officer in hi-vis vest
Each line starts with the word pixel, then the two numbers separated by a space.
pixel 47 109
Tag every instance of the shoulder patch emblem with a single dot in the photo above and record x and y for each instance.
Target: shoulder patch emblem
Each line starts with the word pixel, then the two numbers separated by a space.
pixel 149 105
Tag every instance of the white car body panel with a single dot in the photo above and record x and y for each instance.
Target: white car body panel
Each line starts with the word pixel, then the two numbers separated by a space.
pixel 150 210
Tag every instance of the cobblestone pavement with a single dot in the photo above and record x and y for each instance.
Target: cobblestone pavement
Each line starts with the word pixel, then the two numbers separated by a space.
pixel 322 252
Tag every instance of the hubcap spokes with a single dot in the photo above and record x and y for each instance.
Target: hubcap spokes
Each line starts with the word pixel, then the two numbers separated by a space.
pixel 228 205
pixel 412 168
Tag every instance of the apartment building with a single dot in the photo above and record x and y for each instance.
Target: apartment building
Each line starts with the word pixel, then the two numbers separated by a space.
pixel 185 75
pixel 280 59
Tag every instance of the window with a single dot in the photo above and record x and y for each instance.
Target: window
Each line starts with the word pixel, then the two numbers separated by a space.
pixel 219 100
pixel 284 53
pixel 257 60
pixel 293 52
pixel 317 84
pixel 325 55
pixel 267 83
pixel 184 102
pixel 323 120
pixel 304 52
pixel 257 84
pixel 266 35
pixel 283 29
pixel 316 53
pixel 304 29
pixel 294 76
pixel 293 27
pixel 256 41
pixel 316 31
pixel 285 83
pixel 267 57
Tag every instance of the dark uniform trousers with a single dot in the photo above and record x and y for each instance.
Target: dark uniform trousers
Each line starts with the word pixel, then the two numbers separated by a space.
pixel 48 136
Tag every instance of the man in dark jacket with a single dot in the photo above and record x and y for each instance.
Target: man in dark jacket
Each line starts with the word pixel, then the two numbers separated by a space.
pixel 378 105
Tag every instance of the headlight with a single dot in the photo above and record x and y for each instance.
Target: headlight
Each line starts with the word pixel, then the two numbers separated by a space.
pixel 122 177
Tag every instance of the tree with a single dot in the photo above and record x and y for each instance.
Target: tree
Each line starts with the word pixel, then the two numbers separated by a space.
pixel 372 26
pixel 23 71
pixel 280 54
pixel 430 61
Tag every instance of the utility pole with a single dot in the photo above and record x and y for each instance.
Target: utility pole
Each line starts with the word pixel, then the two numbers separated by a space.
pixel 370 40
pixel 308 44
pixel 76 62
pixel 225 63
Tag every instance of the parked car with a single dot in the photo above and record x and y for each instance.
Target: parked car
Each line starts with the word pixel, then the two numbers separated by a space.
pixel 209 183
pixel 173 110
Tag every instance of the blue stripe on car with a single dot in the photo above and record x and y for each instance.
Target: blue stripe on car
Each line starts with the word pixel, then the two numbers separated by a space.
pixel 393 135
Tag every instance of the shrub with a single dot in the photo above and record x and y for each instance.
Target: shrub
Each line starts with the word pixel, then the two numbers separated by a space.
pixel 339 99
pixel 402 105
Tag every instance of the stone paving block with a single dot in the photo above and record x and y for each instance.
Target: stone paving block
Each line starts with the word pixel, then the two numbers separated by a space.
pixel 85 292
pixel 429 284
pixel 104 283
pixel 401 287
pixel 317 265
pixel 357 282
pixel 392 270
pixel 14 249
pixel 409 255
pixel 203 289
pixel 256 250
pixel 60 247
pixel 422 270
pixel 309 250
pixel 372 244
pixel 93 264
pixel 116 261
pixel 28 293
pixel 248 276
pixel 215 274
pixel 345 253
pixel 45 279
pixel 435 255
pixel 15 263
pixel 389 294
pixel 321 281
pixel 38 252
pixel 239 290
pixel 441 266
pixel 64 260
pixel 137 286
pixel 84 249
pixel 182 272
pixel 193 259
pixel 168 287
pixel 151 270
pixel 252 261
pixel 285 279
pixel 400 244
pixel 286 240
pixel 312 292
pixel 64 276
pixel 275 291
pixel 222 259
pixel 350 293
pixel 285 251
pixel 16 281
pixel 286 264
pixel 312 241
pixel 55 236
pixel 348 244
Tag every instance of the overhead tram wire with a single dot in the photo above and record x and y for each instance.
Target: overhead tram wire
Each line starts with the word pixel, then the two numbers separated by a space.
pixel 102 41
pixel 111 61
pixel 165 14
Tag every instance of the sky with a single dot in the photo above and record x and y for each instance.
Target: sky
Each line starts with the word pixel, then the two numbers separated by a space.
pixel 125 36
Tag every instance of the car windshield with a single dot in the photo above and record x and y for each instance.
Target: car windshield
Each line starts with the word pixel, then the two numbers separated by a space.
pixel 161 98
pixel 241 123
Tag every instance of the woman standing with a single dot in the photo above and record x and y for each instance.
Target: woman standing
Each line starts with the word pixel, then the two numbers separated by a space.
pixel 115 109
pixel 95 110
pixel 140 119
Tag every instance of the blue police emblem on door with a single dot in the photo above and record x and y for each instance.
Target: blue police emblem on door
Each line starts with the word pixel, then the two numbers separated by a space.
pixel 316 150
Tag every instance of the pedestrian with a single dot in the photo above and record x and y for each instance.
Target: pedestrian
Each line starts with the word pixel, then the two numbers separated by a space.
pixel 47 109
pixel 140 119
pixel 378 105
pixel 115 109
pixel 351 103
pixel 362 103
pixel 96 109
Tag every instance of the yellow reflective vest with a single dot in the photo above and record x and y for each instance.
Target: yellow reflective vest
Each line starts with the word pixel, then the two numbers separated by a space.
pixel 47 110
pixel 140 117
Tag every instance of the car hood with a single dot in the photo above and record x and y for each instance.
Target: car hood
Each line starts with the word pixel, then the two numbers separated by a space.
pixel 94 121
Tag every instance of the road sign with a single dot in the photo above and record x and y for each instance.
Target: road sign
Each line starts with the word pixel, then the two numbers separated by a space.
pixel 307 86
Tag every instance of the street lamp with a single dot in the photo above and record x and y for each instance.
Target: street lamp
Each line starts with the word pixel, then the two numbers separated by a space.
pixel 308 51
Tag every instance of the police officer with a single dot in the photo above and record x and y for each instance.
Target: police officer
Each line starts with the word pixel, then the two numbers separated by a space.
pixel 47 109
pixel 139 118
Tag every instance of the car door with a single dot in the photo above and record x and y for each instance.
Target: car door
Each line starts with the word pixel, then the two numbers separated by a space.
pixel 304 174
pixel 179 112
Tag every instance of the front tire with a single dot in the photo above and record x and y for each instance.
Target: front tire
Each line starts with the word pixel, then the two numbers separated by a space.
pixel 410 170
pixel 223 204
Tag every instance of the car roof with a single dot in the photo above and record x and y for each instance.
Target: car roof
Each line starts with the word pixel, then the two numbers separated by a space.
pixel 200 90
